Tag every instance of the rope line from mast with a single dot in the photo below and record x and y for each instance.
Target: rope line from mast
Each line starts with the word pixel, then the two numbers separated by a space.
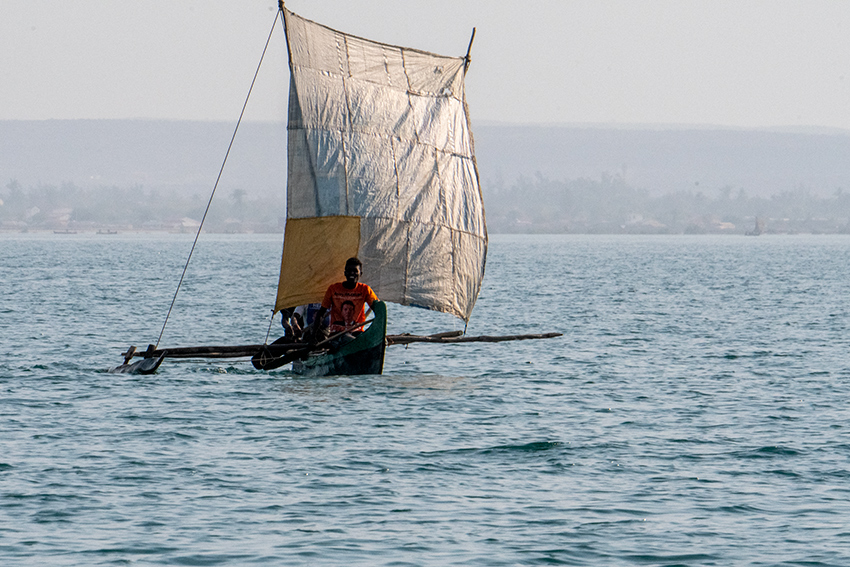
pixel 269 332
pixel 215 186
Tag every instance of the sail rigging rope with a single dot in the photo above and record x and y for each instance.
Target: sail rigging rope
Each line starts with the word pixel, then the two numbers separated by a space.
pixel 215 186
pixel 269 332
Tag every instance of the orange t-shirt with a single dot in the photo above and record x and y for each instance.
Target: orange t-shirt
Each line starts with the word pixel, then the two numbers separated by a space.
pixel 337 294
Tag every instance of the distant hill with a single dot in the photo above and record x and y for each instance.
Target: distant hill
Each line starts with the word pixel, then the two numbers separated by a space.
pixel 665 160
pixel 172 156
pixel 185 156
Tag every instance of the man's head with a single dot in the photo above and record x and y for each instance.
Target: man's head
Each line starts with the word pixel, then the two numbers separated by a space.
pixel 353 270
pixel 347 310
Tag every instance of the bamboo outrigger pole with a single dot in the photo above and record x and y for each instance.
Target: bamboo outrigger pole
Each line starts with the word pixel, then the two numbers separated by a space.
pixel 448 340
pixel 280 349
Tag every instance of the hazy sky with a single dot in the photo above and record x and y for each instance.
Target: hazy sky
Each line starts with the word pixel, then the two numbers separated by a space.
pixel 709 62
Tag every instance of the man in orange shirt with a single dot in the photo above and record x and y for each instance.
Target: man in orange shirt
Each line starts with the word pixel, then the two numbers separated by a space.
pixel 349 290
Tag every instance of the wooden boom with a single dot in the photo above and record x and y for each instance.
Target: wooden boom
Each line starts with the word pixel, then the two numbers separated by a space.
pixel 280 349
pixel 455 337
pixel 213 351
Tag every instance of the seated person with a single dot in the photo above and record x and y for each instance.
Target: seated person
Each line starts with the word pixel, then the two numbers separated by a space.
pixel 295 320
pixel 292 323
pixel 337 294
pixel 307 314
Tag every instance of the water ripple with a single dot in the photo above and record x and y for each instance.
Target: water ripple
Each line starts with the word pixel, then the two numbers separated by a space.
pixel 693 414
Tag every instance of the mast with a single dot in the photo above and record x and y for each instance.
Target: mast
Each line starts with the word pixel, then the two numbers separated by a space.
pixel 466 58
pixel 282 10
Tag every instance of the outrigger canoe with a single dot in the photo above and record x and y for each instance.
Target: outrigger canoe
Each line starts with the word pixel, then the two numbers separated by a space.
pixel 381 165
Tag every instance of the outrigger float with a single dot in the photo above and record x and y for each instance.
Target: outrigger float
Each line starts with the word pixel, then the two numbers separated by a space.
pixel 381 165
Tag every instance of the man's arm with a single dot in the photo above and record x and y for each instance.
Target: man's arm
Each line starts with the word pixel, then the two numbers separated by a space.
pixel 370 296
pixel 317 320
pixel 286 319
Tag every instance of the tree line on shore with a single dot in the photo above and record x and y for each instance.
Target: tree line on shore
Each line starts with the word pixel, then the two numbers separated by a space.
pixel 134 208
pixel 526 205
pixel 609 205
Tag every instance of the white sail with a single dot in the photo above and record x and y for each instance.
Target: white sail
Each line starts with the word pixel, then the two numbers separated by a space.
pixel 381 166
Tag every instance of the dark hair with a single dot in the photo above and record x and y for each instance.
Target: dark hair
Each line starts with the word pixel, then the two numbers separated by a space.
pixel 347 302
pixel 354 262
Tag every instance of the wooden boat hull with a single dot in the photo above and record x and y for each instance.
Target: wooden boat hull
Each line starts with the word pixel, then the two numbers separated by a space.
pixel 363 355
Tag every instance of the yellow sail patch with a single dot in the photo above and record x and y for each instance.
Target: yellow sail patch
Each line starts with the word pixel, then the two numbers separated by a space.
pixel 314 254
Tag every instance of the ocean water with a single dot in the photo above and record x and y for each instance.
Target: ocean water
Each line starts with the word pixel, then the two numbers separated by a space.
pixel 695 412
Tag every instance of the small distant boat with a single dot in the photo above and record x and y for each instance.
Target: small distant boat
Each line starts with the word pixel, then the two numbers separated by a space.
pixel 381 166
pixel 107 232
pixel 66 231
